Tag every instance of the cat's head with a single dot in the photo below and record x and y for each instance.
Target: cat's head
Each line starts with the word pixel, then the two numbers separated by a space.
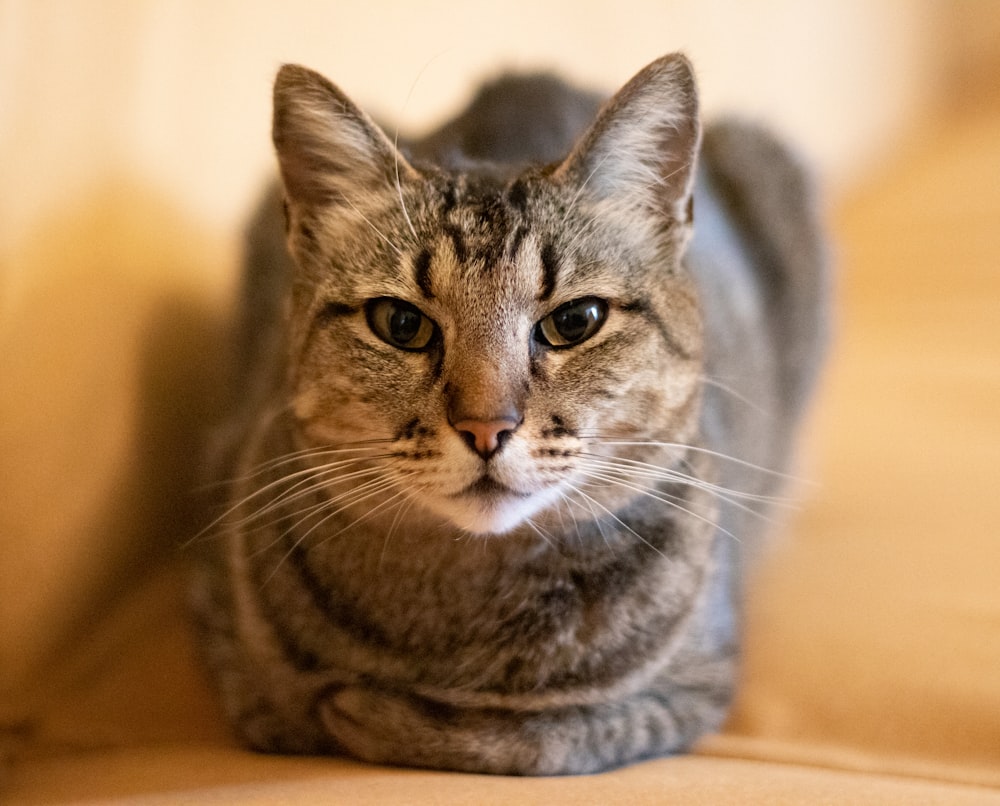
pixel 489 335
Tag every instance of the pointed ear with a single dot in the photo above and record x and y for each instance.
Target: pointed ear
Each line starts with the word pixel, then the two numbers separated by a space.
pixel 328 149
pixel 641 151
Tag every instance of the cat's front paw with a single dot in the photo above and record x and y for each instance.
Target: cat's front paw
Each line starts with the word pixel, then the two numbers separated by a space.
pixel 397 728
pixel 352 717
pixel 401 728
pixel 382 728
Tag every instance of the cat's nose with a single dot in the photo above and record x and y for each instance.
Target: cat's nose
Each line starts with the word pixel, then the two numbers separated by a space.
pixel 486 437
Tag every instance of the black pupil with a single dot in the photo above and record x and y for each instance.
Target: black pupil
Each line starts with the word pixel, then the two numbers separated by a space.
pixel 574 323
pixel 404 324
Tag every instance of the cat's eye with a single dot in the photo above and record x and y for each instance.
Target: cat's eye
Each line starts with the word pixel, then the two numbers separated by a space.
pixel 572 323
pixel 399 323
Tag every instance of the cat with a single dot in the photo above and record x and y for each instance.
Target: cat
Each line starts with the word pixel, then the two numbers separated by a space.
pixel 504 424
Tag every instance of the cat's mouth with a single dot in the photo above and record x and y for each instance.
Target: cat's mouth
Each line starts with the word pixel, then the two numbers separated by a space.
pixel 488 487
pixel 488 506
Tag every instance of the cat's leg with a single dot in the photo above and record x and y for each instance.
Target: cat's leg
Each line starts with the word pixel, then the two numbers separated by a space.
pixel 397 728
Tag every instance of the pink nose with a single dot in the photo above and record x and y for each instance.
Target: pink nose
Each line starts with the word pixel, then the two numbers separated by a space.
pixel 485 436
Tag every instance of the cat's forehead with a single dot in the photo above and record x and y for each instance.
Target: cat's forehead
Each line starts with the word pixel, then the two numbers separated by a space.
pixel 488 232
pixel 490 216
pixel 483 197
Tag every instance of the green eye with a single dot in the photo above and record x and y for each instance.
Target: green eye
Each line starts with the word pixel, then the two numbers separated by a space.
pixel 399 323
pixel 572 323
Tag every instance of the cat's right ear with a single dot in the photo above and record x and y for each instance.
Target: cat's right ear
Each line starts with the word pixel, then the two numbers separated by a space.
pixel 640 153
pixel 329 150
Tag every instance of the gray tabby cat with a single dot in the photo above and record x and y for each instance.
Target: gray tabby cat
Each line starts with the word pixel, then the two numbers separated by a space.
pixel 500 423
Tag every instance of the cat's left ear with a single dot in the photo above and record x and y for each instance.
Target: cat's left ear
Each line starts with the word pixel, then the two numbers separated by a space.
pixel 640 153
pixel 328 149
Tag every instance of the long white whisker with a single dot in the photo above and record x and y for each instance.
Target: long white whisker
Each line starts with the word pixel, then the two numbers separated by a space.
pixel 646 470
pixel 385 485
pixel 305 488
pixel 313 453
pixel 306 473
pixel 565 502
pixel 395 141
pixel 618 442
pixel 315 470
pixel 679 478
pixel 375 229
pixel 404 506
pixel 736 395
pixel 617 520
pixel 657 496
pixel 390 483
pixel 330 505
pixel 539 531
pixel 399 187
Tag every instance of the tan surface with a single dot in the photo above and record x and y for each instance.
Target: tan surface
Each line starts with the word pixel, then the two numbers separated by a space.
pixel 873 660
pixel 878 626
pixel 194 774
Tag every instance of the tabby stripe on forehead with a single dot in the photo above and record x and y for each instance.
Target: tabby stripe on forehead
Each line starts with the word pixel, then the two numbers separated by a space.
pixel 550 270
pixel 515 242
pixel 422 273
pixel 457 242
pixel 517 196
pixel 449 198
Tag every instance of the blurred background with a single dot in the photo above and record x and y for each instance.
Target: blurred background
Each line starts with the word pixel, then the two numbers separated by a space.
pixel 134 138
pixel 175 94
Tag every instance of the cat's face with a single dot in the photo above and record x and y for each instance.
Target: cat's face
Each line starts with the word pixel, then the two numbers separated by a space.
pixel 486 340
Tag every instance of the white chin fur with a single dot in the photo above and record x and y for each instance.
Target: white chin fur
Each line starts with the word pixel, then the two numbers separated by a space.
pixel 490 516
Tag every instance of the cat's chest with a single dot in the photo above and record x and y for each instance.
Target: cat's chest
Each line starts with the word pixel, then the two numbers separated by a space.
pixel 438 594
pixel 465 615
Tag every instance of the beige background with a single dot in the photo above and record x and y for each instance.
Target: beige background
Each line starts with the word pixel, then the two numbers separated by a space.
pixel 176 94
pixel 133 139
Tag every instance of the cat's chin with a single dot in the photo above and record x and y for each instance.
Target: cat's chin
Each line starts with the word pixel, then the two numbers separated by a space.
pixel 492 512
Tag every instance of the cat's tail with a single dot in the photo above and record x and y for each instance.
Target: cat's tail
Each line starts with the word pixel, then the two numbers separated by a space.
pixel 774 202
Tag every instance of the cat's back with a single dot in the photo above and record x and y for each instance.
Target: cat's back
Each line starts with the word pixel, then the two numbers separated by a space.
pixel 514 120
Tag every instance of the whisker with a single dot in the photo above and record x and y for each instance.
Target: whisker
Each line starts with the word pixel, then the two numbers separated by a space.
pixel 404 507
pixel 540 531
pixel 657 496
pixel 374 229
pixel 615 473
pixel 385 485
pixel 291 482
pixel 564 503
pixel 617 520
pixel 303 489
pixel 399 187
pixel 736 395
pixel 308 453
pixel 278 483
pixel 646 470
pixel 341 501
pixel 390 483
pixel 642 442
pixel 395 141
pixel 593 514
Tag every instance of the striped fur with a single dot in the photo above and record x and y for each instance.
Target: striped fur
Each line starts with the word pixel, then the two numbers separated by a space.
pixel 448 538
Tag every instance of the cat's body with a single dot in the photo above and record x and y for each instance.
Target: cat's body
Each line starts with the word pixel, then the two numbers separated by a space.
pixel 479 521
